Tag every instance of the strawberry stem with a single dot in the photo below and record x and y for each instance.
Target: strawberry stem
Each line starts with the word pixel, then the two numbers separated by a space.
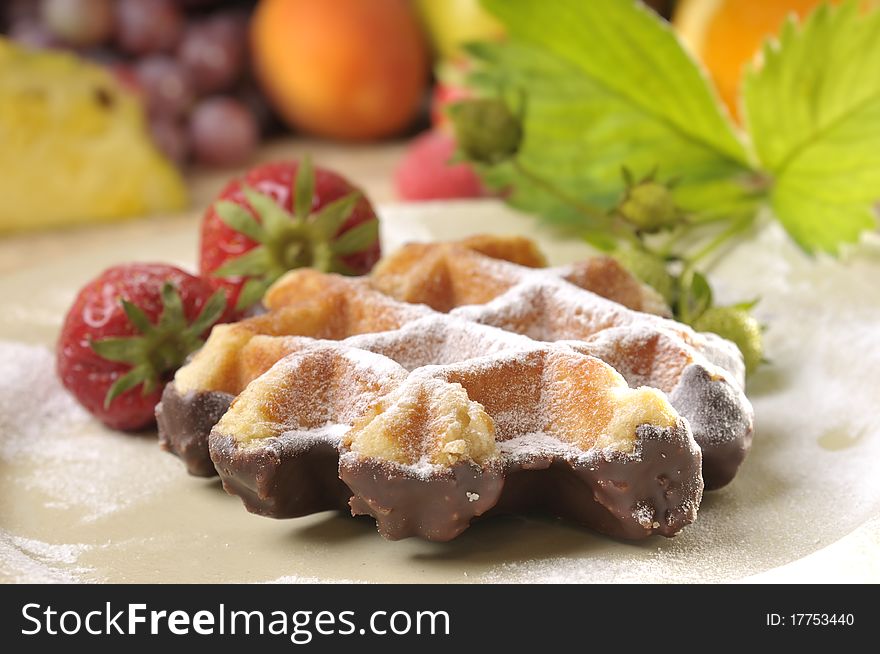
pixel 288 240
pixel 161 347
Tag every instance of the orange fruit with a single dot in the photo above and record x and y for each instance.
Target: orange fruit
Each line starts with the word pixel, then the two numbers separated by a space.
pixel 345 69
pixel 726 34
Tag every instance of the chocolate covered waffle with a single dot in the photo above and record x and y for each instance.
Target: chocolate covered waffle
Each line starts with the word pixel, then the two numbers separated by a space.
pixel 544 304
pixel 426 447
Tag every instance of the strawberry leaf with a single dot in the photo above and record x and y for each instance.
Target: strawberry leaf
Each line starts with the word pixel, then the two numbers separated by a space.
pixel 137 375
pixel 332 217
pixel 357 239
pixel 210 313
pixel 137 317
pixel 257 261
pixel 275 218
pixel 172 313
pixel 240 219
pixel 122 349
pixel 609 85
pixel 813 109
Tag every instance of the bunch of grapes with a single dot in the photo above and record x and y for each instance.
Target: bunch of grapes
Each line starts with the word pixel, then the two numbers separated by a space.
pixel 187 59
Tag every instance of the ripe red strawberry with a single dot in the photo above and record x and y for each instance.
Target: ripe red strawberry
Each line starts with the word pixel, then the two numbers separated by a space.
pixel 425 172
pixel 127 332
pixel 282 216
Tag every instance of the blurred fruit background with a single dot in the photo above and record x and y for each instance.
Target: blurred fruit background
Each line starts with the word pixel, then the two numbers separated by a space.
pixel 118 105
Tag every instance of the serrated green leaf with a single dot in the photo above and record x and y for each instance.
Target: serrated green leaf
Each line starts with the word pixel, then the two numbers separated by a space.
pixel 275 218
pixel 357 239
pixel 813 109
pixel 253 262
pixel 333 216
pixel 240 219
pixel 304 188
pixel 608 85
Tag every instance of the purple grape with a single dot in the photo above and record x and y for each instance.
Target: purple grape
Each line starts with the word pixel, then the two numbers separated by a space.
pixel 32 34
pixel 223 132
pixel 148 26
pixel 212 52
pixel 171 138
pixel 80 23
pixel 20 10
pixel 165 86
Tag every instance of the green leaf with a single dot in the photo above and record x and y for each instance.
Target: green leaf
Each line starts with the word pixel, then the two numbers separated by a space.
pixel 138 375
pixel 275 218
pixel 172 311
pixel 608 85
pixel 251 293
pixel 813 109
pixel 253 262
pixel 304 189
pixel 240 219
pixel 695 296
pixel 122 349
pixel 210 313
pixel 333 216
pixel 137 317
pixel 357 239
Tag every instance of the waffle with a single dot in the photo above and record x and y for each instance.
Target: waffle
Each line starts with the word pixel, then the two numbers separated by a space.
pixel 202 391
pixel 382 424
pixel 653 471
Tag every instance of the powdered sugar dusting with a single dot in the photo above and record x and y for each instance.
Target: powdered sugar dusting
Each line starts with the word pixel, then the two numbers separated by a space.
pixel 84 463
pixel 27 560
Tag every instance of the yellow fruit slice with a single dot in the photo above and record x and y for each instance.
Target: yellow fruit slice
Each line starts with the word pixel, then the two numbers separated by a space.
pixel 452 23
pixel 73 146
pixel 726 34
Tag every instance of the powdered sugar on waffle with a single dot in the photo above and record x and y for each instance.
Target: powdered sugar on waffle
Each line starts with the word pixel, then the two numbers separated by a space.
pixel 440 339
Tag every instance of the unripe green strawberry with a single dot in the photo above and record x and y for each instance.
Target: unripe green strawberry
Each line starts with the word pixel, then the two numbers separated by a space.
pixel 486 130
pixel 736 325
pixel 648 268
pixel 648 205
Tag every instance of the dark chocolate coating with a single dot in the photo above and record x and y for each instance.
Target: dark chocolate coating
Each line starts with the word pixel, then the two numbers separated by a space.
pixel 655 490
pixel 281 477
pixel 436 508
pixel 721 419
pixel 185 422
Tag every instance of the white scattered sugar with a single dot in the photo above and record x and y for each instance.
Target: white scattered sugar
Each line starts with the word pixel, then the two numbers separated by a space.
pixel 539 444
pixel 472 497
pixel 303 439
pixel 32 401
pixel 297 579
pixel 82 465
pixel 25 560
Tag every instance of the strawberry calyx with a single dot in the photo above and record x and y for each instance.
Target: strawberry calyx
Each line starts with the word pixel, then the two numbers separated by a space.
pixel 288 240
pixel 161 347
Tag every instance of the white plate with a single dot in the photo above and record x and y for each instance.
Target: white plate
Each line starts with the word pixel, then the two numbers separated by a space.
pixel 82 503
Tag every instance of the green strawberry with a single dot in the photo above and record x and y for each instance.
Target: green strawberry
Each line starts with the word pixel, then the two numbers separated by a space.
pixel 648 268
pixel 738 325
pixel 648 205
